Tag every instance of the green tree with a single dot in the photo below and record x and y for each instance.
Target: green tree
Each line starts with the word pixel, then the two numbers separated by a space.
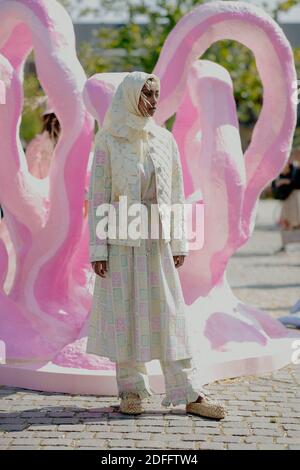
pixel 141 39
pixel 283 6
pixel 142 44
pixel 137 44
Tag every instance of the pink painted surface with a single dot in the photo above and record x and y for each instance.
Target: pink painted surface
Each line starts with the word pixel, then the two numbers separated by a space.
pixel 46 301
pixel 2 92
pixel 44 308
pixel 39 153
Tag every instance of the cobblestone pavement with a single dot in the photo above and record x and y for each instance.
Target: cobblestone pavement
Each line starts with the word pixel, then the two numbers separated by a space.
pixel 264 412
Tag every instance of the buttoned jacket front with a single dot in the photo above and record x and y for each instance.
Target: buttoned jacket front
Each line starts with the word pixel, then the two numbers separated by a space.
pixel 115 173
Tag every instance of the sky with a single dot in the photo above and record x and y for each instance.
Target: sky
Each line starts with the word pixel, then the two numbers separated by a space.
pixel 292 16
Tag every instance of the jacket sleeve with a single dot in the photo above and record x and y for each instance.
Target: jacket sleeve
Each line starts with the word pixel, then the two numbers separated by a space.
pixel 179 243
pixel 99 193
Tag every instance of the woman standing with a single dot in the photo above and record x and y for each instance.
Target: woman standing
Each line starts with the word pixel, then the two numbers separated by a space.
pixel 138 312
pixel 39 151
pixel 286 187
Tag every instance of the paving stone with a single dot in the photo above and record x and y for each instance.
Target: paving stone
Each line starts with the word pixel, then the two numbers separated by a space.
pixel 56 442
pixel 56 448
pixel 24 447
pixel 30 441
pixel 115 444
pixel 155 444
pixel 72 427
pixel 271 447
pixel 97 443
pixel 136 436
pixel 212 446
pixel 242 447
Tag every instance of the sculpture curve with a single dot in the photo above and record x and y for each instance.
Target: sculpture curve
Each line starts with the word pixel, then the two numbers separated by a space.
pixel 45 306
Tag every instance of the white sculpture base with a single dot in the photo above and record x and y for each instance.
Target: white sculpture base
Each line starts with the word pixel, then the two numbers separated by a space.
pixel 53 378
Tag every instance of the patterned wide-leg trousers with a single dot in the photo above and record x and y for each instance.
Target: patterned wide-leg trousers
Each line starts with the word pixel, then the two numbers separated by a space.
pixel 180 381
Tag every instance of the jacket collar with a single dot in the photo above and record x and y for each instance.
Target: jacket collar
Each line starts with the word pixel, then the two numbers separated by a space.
pixel 132 134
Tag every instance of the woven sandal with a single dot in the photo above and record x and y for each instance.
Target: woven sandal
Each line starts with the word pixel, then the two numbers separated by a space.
pixel 207 408
pixel 131 404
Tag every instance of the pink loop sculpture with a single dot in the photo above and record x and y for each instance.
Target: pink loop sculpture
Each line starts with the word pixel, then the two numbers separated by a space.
pixel 45 294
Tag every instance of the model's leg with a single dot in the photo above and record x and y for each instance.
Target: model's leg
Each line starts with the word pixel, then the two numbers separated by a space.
pixel 180 382
pixel 182 386
pixel 132 377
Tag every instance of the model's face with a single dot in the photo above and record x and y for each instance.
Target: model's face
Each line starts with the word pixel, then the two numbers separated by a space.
pixel 149 98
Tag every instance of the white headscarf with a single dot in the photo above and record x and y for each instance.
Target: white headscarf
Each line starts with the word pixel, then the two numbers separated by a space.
pixel 123 117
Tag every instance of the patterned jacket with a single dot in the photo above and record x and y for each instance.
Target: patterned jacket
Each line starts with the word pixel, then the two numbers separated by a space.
pixel 115 173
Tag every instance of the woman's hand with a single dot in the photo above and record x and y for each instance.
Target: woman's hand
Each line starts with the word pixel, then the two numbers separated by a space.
pixel 283 181
pixel 85 208
pixel 178 260
pixel 100 267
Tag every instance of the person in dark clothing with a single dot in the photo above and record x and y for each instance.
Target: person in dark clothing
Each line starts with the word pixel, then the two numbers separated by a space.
pixel 286 182
pixel 286 187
